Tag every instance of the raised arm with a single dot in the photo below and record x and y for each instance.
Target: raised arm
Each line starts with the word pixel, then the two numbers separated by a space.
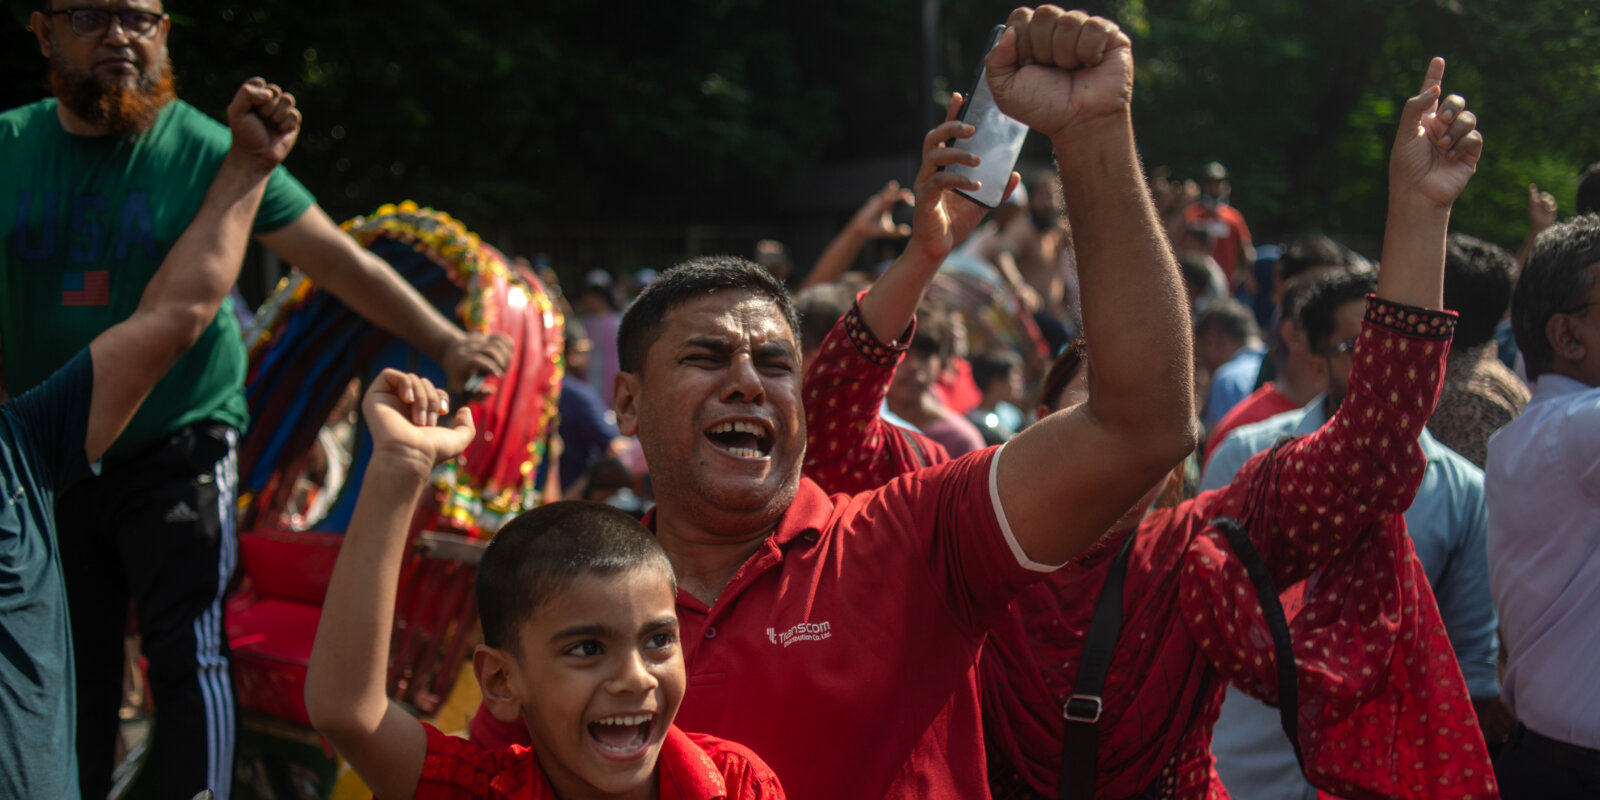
pixel 873 220
pixel 345 681
pixel 1063 481
pixel 849 447
pixel 1365 463
pixel 183 297
pixel 374 290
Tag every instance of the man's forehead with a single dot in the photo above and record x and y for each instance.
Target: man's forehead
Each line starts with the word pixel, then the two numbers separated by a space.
pixel 728 312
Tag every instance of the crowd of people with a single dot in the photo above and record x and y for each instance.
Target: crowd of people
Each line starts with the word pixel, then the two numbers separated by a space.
pixel 1082 496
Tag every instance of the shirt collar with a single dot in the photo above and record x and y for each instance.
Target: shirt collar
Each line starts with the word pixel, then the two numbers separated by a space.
pixel 687 773
pixel 802 520
pixel 1551 384
pixel 684 770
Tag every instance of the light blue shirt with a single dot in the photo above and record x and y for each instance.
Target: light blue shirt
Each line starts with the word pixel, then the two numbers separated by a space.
pixel 1543 480
pixel 1231 383
pixel 1448 522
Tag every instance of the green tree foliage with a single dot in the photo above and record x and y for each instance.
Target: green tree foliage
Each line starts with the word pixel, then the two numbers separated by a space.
pixel 704 110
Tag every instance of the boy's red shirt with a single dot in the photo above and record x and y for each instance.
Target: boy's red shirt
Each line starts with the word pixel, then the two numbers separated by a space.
pixel 692 766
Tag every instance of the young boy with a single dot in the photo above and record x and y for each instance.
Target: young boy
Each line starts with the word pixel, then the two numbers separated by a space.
pixel 580 626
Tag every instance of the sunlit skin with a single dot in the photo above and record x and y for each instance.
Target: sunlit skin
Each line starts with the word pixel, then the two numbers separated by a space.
pixel 1075 393
pixel 726 357
pixel 115 57
pixel 603 646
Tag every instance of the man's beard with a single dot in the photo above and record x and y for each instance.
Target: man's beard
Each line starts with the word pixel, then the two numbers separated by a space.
pixel 123 110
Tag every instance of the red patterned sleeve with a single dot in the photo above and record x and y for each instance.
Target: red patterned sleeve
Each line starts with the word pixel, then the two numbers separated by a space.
pixel 1383 709
pixel 744 775
pixel 457 769
pixel 849 448
pixel 1308 500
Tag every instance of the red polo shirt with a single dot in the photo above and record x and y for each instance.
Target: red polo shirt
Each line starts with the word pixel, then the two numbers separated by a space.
pixel 1265 402
pixel 691 767
pixel 843 651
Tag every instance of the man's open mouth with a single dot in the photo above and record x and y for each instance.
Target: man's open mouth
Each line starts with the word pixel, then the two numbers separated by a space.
pixel 743 439
pixel 623 736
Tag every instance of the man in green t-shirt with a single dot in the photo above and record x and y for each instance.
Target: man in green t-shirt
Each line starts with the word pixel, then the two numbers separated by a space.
pixel 52 435
pixel 98 183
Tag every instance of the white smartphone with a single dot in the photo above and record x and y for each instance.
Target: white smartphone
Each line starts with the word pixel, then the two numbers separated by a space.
pixel 996 140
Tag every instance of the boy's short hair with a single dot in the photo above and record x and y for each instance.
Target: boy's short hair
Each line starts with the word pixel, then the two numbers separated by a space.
pixel 536 555
pixel 641 323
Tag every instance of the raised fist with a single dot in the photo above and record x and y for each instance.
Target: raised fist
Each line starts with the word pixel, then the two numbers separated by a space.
pixel 1054 69
pixel 264 122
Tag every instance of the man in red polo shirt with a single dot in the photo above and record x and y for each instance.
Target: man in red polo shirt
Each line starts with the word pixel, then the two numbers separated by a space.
pixel 837 636
pixel 1377 682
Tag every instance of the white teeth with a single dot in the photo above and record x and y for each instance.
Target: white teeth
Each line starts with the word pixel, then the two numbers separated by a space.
pixel 745 452
pixel 625 719
pixel 739 427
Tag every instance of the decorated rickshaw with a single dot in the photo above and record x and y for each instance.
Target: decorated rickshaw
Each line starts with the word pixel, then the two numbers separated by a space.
pixel 300 470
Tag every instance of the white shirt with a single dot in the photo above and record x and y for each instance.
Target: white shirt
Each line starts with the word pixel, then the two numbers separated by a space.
pixel 1543 487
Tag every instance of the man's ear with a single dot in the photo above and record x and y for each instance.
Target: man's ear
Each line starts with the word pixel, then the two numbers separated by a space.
pixel 39 22
pixel 625 401
pixel 493 668
pixel 1564 339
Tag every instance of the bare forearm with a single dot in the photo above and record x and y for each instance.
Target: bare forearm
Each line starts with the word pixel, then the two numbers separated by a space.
pixel 345 683
pixel 891 304
pixel 363 281
pixel 204 263
pixel 378 293
pixel 1134 310
pixel 1413 253
pixel 837 258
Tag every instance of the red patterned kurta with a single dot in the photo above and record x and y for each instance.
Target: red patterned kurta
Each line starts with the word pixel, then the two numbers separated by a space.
pixel 1383 708
pixel 691 767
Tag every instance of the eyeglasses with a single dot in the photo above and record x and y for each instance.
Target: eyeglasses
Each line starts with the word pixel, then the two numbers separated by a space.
pixel 1340 348
pixel 87 22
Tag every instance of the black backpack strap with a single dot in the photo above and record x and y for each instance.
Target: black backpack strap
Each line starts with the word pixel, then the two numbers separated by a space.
pixel 916 446
pixel 1277 623
pixel 1080 739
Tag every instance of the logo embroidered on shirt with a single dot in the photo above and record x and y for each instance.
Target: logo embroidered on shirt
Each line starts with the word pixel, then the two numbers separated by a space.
pixel 182 513
pixel 91 288
pixel 803 632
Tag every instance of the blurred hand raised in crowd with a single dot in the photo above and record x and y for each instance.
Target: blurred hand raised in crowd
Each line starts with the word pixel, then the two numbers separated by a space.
pixel 1438 146
pixel 875 218
pixel 1541 208
pixel 1055 69
pixel 265 124
pixel 943 218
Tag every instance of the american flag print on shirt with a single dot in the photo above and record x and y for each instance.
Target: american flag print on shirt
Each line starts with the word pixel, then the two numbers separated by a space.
pixel 91 288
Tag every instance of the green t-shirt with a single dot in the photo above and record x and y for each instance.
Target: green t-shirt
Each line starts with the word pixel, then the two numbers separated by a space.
pixel 84 224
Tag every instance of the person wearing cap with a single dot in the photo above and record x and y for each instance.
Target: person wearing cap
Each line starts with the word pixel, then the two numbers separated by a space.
pixel 1230 236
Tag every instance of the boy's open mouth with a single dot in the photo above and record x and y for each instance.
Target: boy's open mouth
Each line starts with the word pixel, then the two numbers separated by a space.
pixel 623 736
pixel 743 439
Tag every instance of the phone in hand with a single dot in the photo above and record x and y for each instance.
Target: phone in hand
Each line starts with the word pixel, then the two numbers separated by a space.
pixel 996 140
